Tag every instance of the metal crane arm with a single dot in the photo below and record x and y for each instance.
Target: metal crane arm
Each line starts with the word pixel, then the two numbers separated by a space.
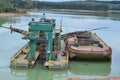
pixel 23 32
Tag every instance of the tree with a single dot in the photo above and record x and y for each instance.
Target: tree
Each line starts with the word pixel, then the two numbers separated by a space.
pixel 28 4
pixel 6 6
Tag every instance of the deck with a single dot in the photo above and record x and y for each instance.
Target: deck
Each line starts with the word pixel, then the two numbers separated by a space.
pixel 19 59
pixel 88 49
pixel 62 61
pixel 86 43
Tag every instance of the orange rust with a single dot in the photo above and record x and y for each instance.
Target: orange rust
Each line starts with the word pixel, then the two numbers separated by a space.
pixel 75 79
pixel 108 78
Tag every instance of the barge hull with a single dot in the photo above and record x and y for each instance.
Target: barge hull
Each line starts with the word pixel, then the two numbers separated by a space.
pixel 19 59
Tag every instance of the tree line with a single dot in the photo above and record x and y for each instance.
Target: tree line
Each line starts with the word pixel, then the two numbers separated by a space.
pixel 6 6
pixel 16 5
pixel 73 5
pixel 79 5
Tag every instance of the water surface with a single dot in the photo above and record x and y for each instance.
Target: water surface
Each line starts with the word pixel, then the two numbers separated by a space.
pixel 11 43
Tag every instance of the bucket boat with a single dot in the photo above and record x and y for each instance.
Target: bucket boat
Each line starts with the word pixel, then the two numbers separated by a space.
pixel 44 45
pixel 86 45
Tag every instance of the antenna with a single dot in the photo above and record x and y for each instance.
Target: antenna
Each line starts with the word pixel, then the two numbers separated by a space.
pixel 97 28
pixel 43 15
pixel 61 24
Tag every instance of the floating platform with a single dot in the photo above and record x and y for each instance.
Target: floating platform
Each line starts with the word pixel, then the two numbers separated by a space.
pixel 19 59
pixel 61 62
pixel 86 44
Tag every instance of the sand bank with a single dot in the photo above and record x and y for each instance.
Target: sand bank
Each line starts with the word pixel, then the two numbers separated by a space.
pixel 12 14
pixel 109 78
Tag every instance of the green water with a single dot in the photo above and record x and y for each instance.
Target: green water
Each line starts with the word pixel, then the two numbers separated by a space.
pixel 11 43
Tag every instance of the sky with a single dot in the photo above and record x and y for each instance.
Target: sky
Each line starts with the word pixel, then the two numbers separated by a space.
pixel 57 0
pixel 70 0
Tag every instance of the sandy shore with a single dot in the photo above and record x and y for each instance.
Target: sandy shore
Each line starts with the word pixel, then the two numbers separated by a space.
pixel 12 14
pixel 57 10
pixel 109 78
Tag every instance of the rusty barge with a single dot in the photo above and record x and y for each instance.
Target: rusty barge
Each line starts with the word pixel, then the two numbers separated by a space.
pixel 86 45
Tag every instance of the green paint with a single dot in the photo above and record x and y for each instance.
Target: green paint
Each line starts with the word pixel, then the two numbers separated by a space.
pixel 47 28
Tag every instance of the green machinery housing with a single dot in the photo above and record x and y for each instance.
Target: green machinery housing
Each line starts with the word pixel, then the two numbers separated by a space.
pixel 41 35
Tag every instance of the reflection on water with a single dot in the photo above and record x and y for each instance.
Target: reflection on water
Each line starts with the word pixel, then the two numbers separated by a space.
pixel 3 20
pixel 90 68
pixel 39 73
pixel 112 15
pixel 9 20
